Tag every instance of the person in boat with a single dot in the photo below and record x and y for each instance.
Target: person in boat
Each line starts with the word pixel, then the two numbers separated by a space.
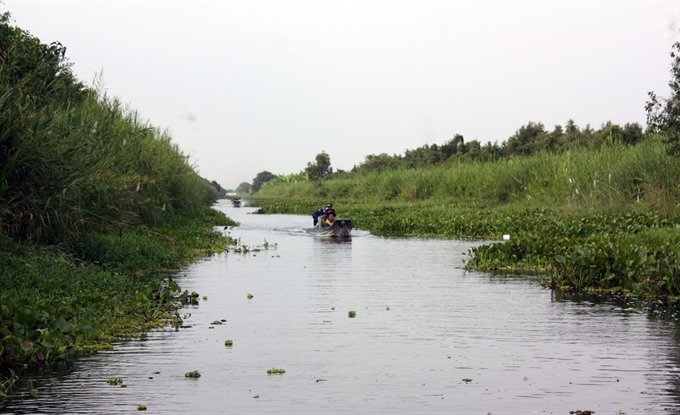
pixel 330 218
pixel 323 220
pixel 317 214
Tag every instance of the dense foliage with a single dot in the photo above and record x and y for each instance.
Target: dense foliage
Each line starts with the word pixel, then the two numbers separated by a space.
pixel 663 114
pixel 320 168
pixel 615 176
pixel 532 138
pixel 92 200
pixel 73 159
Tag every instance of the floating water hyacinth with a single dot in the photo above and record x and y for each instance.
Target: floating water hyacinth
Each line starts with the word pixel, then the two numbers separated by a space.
pixel 276 371
pixel 115 381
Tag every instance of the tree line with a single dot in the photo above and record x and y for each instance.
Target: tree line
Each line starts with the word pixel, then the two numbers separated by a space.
pixel 529 139
pixel 663 119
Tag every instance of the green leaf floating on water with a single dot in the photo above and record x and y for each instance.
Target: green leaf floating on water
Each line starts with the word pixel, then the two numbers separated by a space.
pixel 275 371
pixel 115 381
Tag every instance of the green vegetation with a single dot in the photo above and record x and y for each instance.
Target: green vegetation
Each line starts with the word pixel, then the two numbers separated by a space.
pixel 351 314
pixel 604 218
pixel 115 381
pixel 276 371
pixel 585 209
pixel 663 114
pixel 95 204
pixel 321 168
pixel 577 180
pixel 193 374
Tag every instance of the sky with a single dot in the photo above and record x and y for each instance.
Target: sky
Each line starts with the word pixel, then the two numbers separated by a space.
pixel 250 86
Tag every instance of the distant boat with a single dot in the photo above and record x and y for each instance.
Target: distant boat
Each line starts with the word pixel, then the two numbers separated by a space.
pixel 341 227
pixel 236 202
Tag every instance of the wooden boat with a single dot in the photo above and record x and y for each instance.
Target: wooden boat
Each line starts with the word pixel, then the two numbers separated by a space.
pixel 341 227
pixel 236 202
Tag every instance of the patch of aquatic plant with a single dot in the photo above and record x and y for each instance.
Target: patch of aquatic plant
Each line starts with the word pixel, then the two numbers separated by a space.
pixel 7 384
pixel 141 407
pixel 54 304
pixel 615 261
pixel 351 314
pixel 250 296
pixel 467 380
pixel 228 342
pixel 240 248
pixel 192 298
pixel 276 371
pixel 193 374
pixel 115 381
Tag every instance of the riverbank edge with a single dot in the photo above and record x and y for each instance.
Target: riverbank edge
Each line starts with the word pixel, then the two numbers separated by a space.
pixel 632 253
pixel 59 302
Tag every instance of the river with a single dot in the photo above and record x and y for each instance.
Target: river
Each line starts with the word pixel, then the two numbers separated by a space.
pixel 428 337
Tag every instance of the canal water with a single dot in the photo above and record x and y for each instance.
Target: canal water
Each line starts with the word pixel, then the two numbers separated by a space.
pixel 428 337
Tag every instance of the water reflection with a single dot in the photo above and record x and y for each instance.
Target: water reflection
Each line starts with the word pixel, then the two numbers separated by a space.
pixel 423 325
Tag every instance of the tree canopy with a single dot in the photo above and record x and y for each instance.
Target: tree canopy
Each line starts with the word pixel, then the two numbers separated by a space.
pixel 663 114
pixel 321 168
pixel 260 179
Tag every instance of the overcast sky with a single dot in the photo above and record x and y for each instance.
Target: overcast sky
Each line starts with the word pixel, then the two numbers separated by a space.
pixel 247 86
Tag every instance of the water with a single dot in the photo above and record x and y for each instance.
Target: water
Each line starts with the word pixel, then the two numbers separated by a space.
pixel 428 338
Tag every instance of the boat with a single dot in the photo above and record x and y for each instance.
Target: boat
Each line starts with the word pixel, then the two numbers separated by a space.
pixel 341 227
pixel 236 202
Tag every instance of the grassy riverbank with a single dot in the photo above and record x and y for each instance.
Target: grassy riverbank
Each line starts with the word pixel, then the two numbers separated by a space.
pixel 605 219
pixel 56 303
pixel 96 207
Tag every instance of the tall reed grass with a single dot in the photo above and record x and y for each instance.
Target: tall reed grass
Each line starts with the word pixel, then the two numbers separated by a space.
pixel 88 164
pixel 613 177
pixel 93 203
